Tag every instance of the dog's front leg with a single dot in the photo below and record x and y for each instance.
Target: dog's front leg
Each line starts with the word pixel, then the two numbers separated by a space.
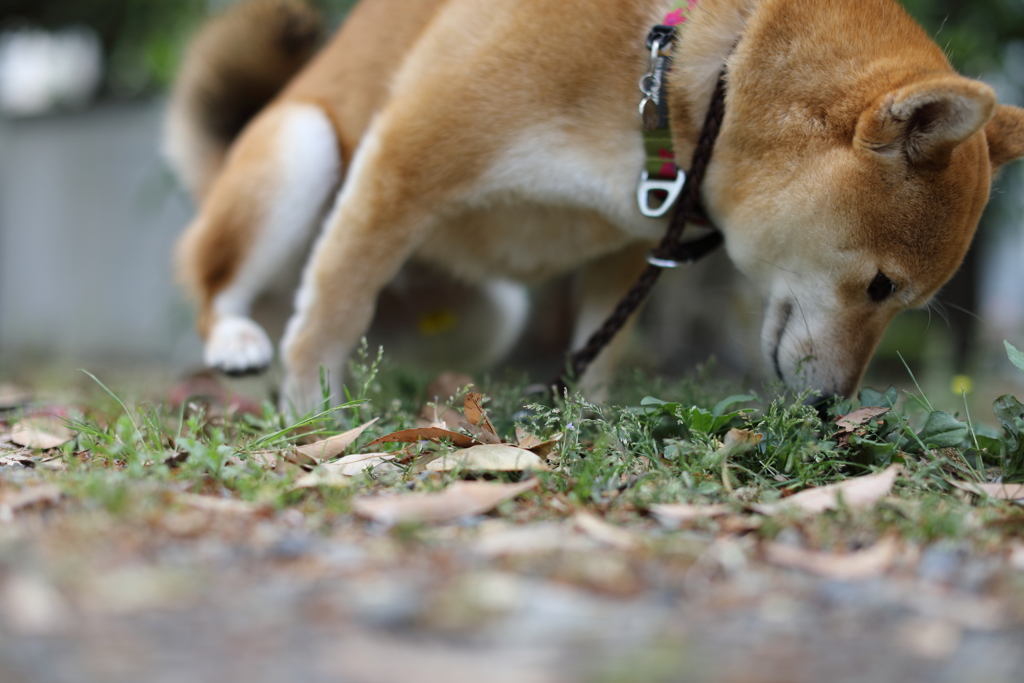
pixel 374 227
pixel 259 216
pixel 601 285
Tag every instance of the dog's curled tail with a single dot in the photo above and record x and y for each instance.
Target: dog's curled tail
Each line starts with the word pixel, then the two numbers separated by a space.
pixel 236 64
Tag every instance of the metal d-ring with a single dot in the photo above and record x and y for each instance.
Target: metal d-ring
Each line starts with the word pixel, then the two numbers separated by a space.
pixel 647 186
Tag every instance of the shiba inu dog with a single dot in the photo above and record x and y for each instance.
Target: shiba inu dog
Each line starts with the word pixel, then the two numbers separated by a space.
pixel 500 139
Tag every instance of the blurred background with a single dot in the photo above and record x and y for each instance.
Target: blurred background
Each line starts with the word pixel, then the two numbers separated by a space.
pixel 89 214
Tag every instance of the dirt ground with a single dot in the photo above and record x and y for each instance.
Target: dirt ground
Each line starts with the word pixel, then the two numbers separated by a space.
pixel 240 595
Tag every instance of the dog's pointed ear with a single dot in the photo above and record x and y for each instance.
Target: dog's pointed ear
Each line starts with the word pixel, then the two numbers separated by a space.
pixel 925 121
pixel 1005 133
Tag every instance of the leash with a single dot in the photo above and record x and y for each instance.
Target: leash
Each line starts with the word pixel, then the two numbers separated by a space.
pixel 670 253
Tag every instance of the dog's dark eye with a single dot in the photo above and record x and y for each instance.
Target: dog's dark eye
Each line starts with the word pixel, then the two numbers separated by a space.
pixel 881 288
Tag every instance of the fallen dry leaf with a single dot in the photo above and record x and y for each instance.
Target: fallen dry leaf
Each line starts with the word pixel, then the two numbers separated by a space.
pixel 41 433
pixel 675 514
pixel 56 463
pixel 265 459
pixel 37 494
pixel 605 533
pixel 488 458
pixel 335 445
pixel 861 564
pixel 297 457
pixel 481 434
pixel 525 439
pixel 531 442
pixel 427 434
pixel 860 417
pixel 338 474
pixel 316 479
pixel 1013 492
pixel 461 499
pixel 17 458
pixel 475 413
pixel 856 493
pixel 354 465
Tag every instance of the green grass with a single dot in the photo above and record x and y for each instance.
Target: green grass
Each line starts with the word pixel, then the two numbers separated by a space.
pixel 664 447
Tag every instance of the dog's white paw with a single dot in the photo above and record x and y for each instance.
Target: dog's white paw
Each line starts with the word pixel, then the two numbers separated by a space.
pixel 238 346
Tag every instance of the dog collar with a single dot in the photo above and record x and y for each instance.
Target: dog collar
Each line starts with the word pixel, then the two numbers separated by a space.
pixel 671 252
pixel 661 180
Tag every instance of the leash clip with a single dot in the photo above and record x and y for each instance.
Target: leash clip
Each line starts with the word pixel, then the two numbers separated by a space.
pixel 666 263
pixel 685 254
pixel 647 186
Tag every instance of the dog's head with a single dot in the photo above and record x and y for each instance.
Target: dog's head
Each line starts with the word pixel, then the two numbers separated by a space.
pixel 845 214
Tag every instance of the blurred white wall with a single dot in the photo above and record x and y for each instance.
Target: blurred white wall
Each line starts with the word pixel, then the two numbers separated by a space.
pixel 88 216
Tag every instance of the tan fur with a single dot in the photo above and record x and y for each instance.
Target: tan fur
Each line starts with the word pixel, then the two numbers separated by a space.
pixel 506 142
pixel 234 185
pixel 233 68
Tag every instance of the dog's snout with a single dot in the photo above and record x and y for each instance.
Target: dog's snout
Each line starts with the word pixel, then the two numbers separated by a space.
pixel 821 403
pixel 785 312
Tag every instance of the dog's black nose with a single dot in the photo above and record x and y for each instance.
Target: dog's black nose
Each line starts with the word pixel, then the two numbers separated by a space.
pixel 821 404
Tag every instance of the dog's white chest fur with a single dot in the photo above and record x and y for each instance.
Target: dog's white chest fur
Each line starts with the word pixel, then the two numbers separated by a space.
pixel 549 202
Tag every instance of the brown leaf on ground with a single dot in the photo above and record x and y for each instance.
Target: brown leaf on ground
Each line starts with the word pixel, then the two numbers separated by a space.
pixel 41 433
pixel 476 415
pixel 334 446
pixel 676 514
pixel 297 457
pixel 17 458
pixel 231 506
pixel 461 499
pixel 434 434
pixel 531 442
pixel 339 474
pixel 37 494
pixel 856 493
pixel 605 533
pixel 860 417
pixel 861 564
pixel 1014 492
pixel 488 458
pixel 481 434
pixel 55 463
pixel 177 458
pixel 315 479
pixel 356 464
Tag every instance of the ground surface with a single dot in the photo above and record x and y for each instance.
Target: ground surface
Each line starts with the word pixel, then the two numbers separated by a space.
pixel 164 543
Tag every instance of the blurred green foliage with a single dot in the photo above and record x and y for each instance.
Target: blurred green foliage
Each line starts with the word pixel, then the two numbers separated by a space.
pixel 974 33
pixel 143 39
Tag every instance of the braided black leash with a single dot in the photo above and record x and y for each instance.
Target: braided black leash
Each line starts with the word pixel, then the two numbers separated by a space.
pixel 670 253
